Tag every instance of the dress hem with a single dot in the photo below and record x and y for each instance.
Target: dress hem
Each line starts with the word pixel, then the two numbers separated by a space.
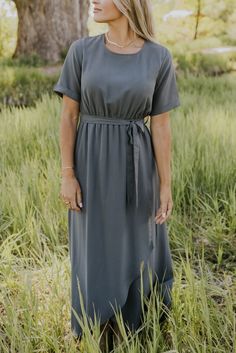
pixel 110 312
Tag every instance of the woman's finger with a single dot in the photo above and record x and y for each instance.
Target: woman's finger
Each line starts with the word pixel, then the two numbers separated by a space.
pixel 74 205
pixel 161 211
pixel 79 198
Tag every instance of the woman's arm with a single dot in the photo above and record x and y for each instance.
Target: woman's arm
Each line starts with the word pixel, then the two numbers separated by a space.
pixel 68 125
pixel 70 187
pixel 161 138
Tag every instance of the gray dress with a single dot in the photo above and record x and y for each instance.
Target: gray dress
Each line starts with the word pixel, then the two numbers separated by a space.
pixel 115 238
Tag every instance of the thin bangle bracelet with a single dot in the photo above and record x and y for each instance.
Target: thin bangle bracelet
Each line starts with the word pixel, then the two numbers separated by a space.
pixel 67 167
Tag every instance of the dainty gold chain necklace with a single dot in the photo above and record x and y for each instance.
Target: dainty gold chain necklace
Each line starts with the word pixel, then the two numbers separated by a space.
pixel 118 45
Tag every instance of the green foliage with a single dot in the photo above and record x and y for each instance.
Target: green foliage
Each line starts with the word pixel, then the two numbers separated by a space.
pixel 208 64
pixel 63 53
pixel 8 29
pixel 22 86
pixel 32 60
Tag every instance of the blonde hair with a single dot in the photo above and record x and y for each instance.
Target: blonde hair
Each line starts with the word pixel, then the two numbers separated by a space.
pixel 139 15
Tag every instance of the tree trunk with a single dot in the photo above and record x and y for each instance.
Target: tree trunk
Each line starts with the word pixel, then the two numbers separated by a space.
pixel 47 27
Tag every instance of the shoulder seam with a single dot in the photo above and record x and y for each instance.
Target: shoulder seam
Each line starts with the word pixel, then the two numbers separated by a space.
pixel 82 49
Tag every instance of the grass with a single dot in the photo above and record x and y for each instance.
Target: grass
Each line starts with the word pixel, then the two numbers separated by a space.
pixel 34 262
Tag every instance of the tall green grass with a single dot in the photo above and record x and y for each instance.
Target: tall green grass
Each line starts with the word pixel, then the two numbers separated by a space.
pixel 34 262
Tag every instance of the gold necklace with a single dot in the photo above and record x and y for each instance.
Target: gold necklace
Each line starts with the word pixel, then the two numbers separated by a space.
pixel 118 45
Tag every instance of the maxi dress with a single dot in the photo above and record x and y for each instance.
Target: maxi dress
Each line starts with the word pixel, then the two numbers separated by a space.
pixel 114 239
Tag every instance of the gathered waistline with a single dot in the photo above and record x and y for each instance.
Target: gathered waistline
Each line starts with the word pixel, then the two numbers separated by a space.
pixel 108 119
pixel 134 129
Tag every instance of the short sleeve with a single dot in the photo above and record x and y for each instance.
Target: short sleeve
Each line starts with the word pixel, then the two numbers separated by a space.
pixel 165 95
pixel 69 82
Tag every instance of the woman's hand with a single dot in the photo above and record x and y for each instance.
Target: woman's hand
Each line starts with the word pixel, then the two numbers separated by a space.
pixel 71 192
pixel 166 204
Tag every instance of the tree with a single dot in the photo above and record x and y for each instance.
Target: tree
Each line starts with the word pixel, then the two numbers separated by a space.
pixel 198 15
pixel 47 27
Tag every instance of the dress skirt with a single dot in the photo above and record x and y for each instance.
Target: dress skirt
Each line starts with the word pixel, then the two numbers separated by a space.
pixel 115 237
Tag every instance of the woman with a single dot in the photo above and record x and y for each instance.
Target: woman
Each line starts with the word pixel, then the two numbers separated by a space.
pixel 116 174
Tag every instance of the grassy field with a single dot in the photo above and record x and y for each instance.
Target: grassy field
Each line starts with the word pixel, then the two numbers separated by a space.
pixel 34 262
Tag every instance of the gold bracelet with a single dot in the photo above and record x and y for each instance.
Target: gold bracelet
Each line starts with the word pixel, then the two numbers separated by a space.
pixel 68 167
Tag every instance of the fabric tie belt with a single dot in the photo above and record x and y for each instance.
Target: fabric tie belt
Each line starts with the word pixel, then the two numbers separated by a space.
pixel 134 128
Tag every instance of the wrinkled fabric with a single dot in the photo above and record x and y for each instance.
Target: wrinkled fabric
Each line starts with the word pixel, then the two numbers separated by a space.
pixel 115 236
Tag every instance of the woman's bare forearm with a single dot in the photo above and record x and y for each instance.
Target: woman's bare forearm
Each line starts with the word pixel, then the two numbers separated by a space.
pixel 161 139
pixel 68 129
pixel 67 142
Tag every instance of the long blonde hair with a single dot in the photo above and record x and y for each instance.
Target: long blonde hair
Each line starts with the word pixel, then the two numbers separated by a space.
pixel 139 15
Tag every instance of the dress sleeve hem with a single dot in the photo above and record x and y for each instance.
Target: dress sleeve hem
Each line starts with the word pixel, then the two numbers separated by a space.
pixel 165 108
pixel 60 90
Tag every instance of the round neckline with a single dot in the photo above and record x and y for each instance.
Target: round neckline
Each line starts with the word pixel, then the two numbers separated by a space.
pixel 120 54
